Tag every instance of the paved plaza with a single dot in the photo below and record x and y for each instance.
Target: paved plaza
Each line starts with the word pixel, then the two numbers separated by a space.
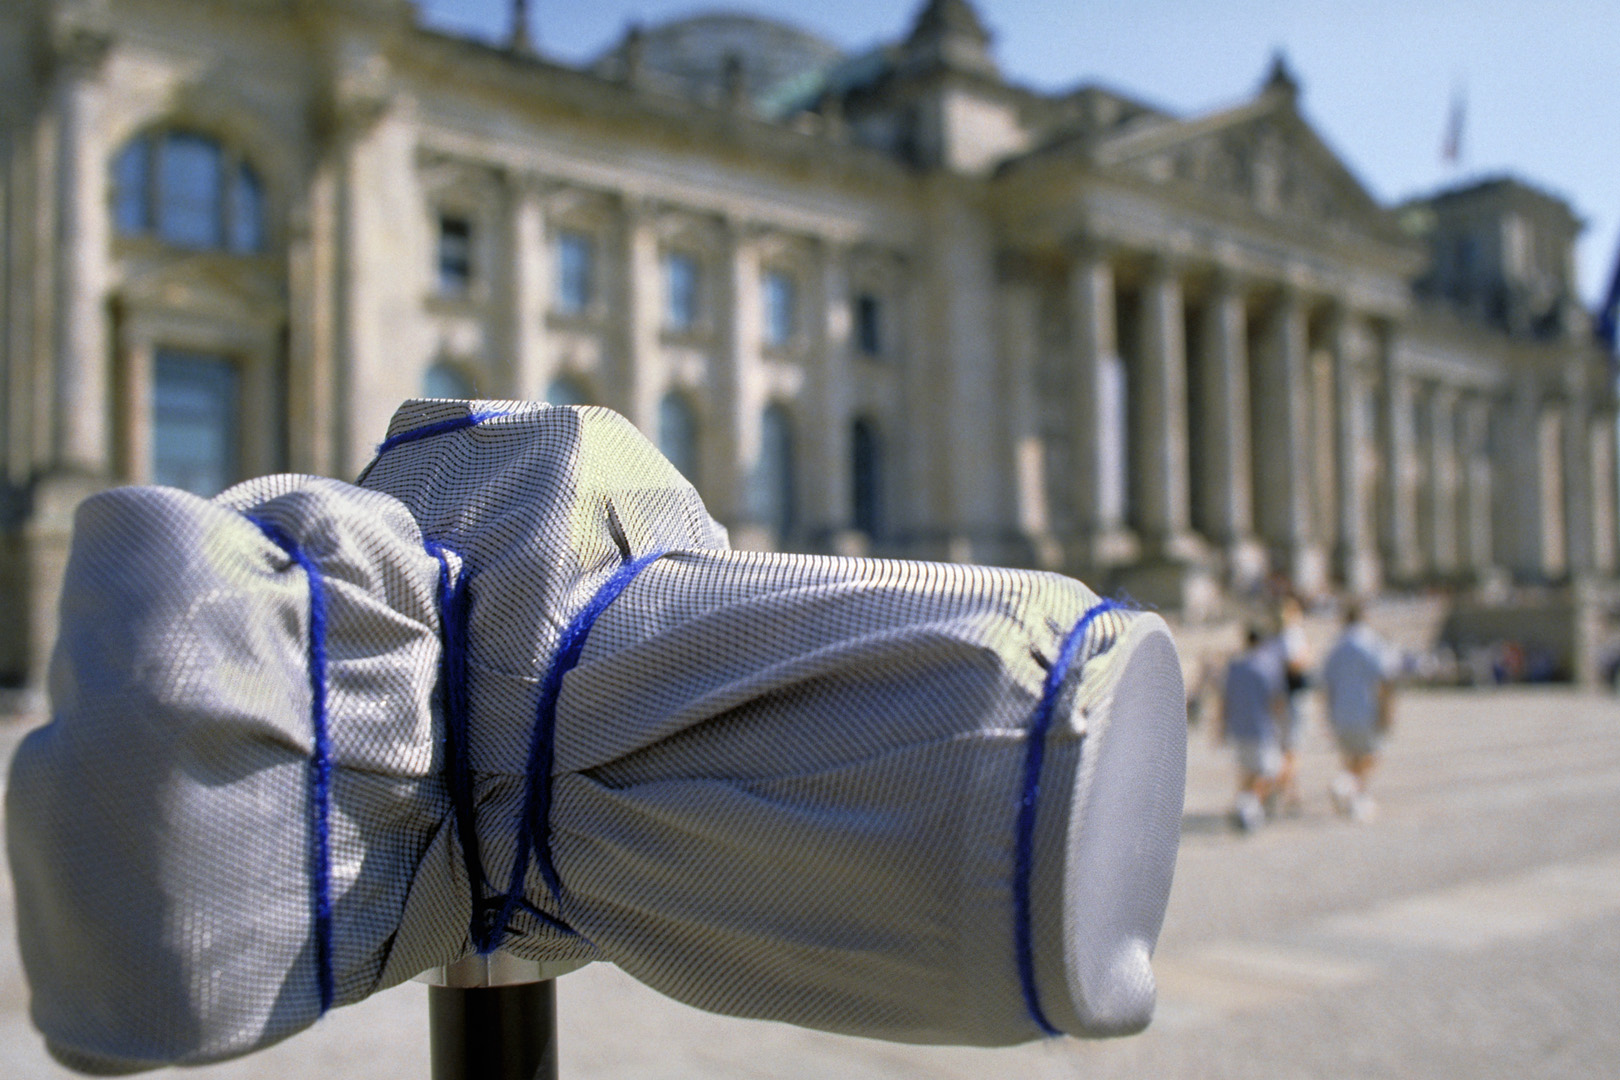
pixel 1472 931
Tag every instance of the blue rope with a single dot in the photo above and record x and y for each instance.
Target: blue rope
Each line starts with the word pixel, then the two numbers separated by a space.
pixel 455 423
pixel 1034 755
pixel 320 763
pixel 534 828
pixel 455 609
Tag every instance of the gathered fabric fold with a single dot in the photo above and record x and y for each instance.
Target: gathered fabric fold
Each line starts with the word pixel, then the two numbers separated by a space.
pixel 513 690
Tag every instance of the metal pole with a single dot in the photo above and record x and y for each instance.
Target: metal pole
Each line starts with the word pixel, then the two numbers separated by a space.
pixel 494 1032
pixel 494 1018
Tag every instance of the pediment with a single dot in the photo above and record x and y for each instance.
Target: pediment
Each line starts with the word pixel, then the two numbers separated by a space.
pixel 1262 155
pixel 207 286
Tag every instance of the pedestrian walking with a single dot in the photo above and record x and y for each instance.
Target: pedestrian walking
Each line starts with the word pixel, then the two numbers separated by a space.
pixel 1358 680
pixel 1252 711
pixel 1295 655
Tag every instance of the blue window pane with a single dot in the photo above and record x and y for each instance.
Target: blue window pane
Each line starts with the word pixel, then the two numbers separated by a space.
pixel 779 313
pixel 567 390
pixel 446 381
pixel 681 291
pixel 190 213
pixel 247 212
pixel 770 489
pixel 132 189
pixel 194 423
pixel 575 254
pixel 677 435
pixel 455 255
pixel 869 324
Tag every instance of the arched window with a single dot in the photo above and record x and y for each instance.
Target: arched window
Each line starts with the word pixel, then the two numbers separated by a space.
pixel 770 487
pixel 189 191
pixel 567 390
pixel 866 489
pixel 678 434
pixel 444 380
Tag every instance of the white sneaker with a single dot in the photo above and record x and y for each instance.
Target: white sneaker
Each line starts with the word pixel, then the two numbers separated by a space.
pixel 1249 813
pixel 1363 809
pixel 1344 791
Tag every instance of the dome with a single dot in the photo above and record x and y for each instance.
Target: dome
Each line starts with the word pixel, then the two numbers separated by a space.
pixel 690 56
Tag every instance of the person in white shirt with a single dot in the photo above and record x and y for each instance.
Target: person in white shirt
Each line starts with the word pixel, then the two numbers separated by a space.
pixel 1357 678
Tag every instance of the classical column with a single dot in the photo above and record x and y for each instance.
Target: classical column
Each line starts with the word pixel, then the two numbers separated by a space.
pixel 1281 452
pixel 1097 442
pixel 312 274
pixel 731 431
pixel 1476 550
pixel 1020 347
pixel 529 289
pixel 81 441
pixel 1355 555
pixel 135 369
pixel 1400 541
pixel 1160 452
pixel 1577 463
pixel 1605 514
pixel 642 369
pixel 825 423
pixel 1443 480
pixel 1226 501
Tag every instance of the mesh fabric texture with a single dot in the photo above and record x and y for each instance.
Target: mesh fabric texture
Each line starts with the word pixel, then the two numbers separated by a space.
pixel 784 786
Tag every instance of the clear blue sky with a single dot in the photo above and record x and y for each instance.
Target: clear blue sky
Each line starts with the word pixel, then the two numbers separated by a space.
pixel 1541 77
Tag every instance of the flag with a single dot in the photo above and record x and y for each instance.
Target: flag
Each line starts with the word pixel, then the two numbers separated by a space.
pixel 1451 144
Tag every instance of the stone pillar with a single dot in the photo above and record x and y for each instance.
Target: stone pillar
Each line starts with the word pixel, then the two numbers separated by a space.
pixel 642 375
pixel 135 370
pixel 1400 546
pixel 825 423
pixel 1161 496
pixel 962 338
pixel 1282 452
pixel 1441 458
pixel 1552 548
pixel 1226 501
pixel 1098 436
pixel 1519 496
pixel 1020 347
pixel 1477 550
pixel 81 422
pixel 530 366
pixel 1605 513
pixel 312 274
pixel 1576 467
pixel 1355 555
pixel 731 429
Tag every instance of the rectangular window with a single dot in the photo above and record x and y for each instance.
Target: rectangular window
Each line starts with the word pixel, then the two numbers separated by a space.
pixel 455 255
pixel 779 305
pixel 680 291
pixel 869 325
pixel 575 256
pixel 194 422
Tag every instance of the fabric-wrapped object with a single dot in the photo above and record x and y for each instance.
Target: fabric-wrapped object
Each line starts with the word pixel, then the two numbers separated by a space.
pixel 513 691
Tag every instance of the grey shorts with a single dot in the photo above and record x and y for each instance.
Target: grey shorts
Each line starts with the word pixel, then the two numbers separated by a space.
pixel 1258 757
pixel 1357 742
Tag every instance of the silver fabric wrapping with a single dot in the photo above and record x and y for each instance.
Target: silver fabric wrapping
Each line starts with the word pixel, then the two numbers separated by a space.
pixel 785 786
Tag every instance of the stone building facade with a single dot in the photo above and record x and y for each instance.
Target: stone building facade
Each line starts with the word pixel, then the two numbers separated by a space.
pixel 889 303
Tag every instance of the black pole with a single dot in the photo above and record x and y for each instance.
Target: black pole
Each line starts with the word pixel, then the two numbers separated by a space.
pixel 494 1032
